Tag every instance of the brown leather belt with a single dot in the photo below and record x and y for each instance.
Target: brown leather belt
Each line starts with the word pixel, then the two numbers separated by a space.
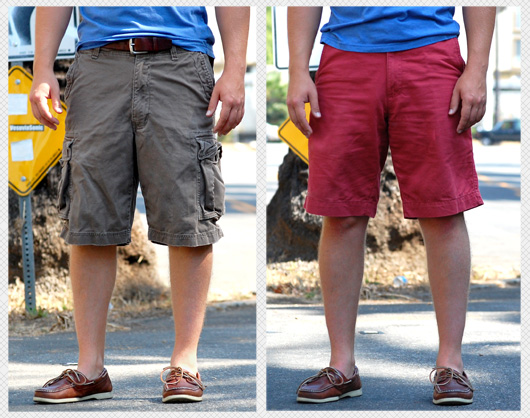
pixel 141 45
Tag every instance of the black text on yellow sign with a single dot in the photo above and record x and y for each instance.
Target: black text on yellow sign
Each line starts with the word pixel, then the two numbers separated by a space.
pixel 33 148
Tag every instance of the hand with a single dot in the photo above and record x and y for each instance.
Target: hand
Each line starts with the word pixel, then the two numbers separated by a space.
pixel 45 87
pixel 302 90
pixel 230 90
pixel 470 89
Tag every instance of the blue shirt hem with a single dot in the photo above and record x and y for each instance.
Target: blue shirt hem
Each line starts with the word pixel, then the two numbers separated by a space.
pixel 329 39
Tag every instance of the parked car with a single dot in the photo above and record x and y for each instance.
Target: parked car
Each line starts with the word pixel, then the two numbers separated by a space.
pixel 505 130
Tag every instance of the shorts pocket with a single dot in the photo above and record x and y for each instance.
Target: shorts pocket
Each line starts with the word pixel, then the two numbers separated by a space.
pixel 461 64
pixel 63 200
pixel 211 188
pixel 70 79
pixel 205 72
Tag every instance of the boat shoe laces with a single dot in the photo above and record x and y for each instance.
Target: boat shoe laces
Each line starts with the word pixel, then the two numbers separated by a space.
pixel 331 373
pixel 446 374
pixel 174 374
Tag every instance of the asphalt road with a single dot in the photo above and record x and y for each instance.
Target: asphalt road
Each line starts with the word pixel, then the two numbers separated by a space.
pixel 135 358
pixel 395 363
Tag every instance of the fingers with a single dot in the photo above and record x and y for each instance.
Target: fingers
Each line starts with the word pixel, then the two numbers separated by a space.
pixel 292 114
pixel 232 112
pixel 473 110
pixel 39 96
pixel 232 96
pixel 299 94
pixel 56 103
pixel 212 106
pixel 313 101
pixel 455 101
pixel 470 95
pixel 465 117
pixel 298 117
pixel 42 113
pixel 303 124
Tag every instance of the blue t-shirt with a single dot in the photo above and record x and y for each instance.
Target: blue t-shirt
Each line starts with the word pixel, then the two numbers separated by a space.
pixel 187 27
pixel 388 29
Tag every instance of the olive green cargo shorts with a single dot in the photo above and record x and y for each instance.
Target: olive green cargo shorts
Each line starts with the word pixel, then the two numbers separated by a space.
pixel 140 119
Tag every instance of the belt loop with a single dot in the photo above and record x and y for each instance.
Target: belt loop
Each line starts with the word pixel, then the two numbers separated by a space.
pixel 174 54
pixel 95 53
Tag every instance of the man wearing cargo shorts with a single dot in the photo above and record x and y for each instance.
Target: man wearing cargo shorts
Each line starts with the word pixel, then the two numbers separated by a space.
pixel 140 98
pixel 390 76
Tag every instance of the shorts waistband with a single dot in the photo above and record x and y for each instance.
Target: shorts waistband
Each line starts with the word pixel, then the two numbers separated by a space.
pixel 141 45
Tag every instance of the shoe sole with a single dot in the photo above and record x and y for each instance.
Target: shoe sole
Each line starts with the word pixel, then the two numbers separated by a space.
pixel 181 398
pixel 452 401
pixel 97 396
pixel 352 394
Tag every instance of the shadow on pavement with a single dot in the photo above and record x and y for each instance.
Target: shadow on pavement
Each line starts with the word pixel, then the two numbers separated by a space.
pixel 135 358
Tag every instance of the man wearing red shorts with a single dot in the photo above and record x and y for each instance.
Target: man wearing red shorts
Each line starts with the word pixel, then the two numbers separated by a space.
pixel 390 76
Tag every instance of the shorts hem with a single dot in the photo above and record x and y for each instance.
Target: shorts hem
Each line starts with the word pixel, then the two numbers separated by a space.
pixel 185 240
pixel 340 209
pixel 444 208
pixel 96 238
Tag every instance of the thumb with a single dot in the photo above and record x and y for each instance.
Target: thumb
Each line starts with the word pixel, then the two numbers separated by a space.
pixel 214 100
pixel 455 101
pixel 313 101
pixel 56 101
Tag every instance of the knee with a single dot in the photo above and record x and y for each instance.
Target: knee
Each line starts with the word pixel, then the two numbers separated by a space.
pixel 443 224
pixel 345 224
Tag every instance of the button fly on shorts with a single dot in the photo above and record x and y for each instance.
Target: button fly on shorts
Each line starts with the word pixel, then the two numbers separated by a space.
pixel 140 96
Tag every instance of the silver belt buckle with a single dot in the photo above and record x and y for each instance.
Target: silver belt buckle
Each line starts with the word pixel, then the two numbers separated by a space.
pixel 131 48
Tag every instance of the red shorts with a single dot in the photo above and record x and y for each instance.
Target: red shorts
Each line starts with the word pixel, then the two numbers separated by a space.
pixel 370 101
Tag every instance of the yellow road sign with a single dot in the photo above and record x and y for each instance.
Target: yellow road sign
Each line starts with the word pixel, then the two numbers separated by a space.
pixel 296 140
pixel 33 147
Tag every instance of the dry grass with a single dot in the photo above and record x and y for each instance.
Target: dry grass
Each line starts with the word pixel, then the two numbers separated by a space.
pixel 55 306
pixel 301 278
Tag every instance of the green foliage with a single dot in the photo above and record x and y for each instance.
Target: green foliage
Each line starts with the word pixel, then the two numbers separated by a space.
pixel 37 313
pixel 276 97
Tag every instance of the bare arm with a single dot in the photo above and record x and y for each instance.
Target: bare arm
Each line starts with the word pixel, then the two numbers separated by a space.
pixel 233 25
pixel 50 26
pixel 470 88
pixel 302 28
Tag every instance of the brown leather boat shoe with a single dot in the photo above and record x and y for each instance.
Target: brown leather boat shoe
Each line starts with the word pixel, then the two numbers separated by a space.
pixel 450 387
pixel 181 386
pixel 74 386
pixel 329 385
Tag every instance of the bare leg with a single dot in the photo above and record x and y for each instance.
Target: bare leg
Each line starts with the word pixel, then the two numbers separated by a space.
pixel 341 264
pixel 93 274
pixel 190 271
pixel 449 266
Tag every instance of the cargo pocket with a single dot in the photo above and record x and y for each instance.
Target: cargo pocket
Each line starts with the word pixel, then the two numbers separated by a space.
pixel 211 188
pixel 63 200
